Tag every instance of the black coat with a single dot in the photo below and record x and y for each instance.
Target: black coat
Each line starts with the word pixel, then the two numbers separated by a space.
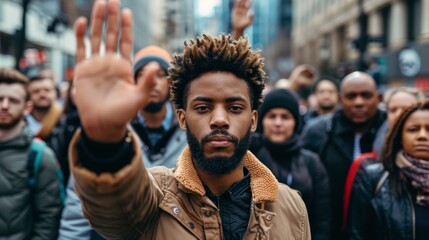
pixel 375 212
pixel 301 170
pixel 332 138
pixel 60 140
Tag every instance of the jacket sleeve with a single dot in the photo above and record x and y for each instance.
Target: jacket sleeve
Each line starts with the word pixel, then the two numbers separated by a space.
pixel 119 205
pixel 361 220
pixel 47 199
pixel 320 215
pixel 73 224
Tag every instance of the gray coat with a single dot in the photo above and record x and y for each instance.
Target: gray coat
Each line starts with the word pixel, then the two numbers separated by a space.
pixel 24 215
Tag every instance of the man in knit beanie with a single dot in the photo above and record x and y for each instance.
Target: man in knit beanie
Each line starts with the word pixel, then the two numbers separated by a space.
pixel 157 127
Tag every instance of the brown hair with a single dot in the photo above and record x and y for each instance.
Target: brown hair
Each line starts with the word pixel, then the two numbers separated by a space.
pixel 11 76
pixel 393 144
pixel 212 54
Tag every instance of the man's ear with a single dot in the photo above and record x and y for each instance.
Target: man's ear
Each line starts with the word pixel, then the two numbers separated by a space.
pixel 380 97
pixel 181 115
pixel 28 108
pixel 254 122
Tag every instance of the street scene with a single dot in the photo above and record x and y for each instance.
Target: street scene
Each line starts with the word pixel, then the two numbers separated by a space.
pixel 214 119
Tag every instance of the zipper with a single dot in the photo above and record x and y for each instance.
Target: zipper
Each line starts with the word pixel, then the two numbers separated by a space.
pixel 413 214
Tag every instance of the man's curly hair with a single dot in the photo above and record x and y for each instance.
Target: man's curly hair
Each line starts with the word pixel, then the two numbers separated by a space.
pixel 213 54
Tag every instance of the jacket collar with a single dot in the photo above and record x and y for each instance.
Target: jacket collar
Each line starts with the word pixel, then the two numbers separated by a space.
pixel 263 184
pixel 344 126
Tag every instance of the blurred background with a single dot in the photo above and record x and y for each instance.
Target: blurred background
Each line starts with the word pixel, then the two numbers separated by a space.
pixel 389 38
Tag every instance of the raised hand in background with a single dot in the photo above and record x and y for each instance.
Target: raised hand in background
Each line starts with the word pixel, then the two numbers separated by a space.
pixel 240 17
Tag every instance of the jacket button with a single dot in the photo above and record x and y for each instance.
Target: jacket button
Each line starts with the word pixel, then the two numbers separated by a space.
pixel 208 213
pixel 191 225
pixel 176 210
pixel 269 217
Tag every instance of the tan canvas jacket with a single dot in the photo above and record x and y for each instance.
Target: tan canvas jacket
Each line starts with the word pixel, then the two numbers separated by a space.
pixel 161 203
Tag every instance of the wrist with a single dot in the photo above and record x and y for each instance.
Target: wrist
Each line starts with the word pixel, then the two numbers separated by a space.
pixel 111 136
pixel 237 33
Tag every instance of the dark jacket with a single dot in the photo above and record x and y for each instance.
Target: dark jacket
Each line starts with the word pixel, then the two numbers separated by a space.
pixel 332 138
pixel 302 170
pixel 375 212
pixel 61 137
pixel 25 213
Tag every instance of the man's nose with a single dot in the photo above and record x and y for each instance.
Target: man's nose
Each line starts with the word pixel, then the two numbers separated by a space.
pixel 4 103
pixel 219 119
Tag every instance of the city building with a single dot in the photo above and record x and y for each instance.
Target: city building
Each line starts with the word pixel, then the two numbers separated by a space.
pixel 339 36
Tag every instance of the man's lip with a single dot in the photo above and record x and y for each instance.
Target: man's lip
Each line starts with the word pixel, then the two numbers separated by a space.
pixel 4 115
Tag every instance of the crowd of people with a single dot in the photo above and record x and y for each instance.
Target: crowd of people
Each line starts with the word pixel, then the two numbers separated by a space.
pixel 194 147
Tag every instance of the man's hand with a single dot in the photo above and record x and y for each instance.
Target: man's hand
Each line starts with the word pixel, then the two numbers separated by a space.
pixel 105 93
pixel 240 18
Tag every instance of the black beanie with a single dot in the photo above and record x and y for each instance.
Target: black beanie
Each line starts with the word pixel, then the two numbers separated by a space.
pixel 280 98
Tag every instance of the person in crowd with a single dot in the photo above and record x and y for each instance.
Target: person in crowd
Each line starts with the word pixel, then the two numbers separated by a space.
pixel 342 137
pixel 46 112
pixel 397 100
pixel 390 199
pixel 279 148
pixel 156 126
pixel 218 189
pixel 327 92
pixel 30 201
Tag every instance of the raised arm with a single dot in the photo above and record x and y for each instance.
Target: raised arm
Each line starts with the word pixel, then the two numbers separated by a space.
pixel 119 196
pixel 240 17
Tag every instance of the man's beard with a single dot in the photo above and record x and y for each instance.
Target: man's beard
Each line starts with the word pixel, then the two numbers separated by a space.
pixel 219 166
pixel 154 107
pixel 43 108
pixel 326 108
pixel 9 125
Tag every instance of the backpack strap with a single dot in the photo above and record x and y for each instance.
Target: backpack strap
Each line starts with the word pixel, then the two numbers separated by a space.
pixel 381 181
pixel 349 183
pixel 37 148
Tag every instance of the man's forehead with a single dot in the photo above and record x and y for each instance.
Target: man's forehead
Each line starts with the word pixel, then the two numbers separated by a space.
pixel 14 89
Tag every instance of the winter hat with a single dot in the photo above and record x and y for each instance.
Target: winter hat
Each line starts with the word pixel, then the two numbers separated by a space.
pixel 280 98
pixel 149 54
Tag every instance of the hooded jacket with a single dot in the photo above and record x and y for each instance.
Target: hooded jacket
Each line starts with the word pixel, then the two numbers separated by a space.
pixel 26 213
pixel 163 203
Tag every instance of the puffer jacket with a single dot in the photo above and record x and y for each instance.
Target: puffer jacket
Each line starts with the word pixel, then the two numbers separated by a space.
pixel 375 212
pixel 26 214
pixel 163 203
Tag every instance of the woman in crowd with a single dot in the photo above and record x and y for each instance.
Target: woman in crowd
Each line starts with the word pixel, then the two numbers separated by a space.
pixel 390 199
pixel 277 145
pixel 397 100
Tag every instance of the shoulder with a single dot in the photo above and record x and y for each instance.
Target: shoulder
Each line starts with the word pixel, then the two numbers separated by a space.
pixel 163 176
pixel 290 200
pixel 319 125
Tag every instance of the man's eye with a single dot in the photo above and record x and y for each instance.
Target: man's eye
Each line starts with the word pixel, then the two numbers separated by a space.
pixel 201 108
pixel 236 109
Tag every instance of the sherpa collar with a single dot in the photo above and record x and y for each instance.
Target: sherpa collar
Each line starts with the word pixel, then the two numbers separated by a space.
pixel 263 184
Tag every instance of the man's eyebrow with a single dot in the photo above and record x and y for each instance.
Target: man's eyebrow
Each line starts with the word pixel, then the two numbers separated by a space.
pixel 210 100
pixel 202 99
pixel 235 99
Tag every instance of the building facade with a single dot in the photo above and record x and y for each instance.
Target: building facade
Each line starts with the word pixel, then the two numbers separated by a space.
pixel 336 35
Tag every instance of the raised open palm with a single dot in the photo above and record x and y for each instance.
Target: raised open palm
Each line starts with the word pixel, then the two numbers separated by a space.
pixel 105 93
pixel 240 17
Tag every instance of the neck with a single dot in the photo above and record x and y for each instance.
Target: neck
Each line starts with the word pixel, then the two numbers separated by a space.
pixel 219 184
pixel 39 115
pixel 7 134
pixel 154 120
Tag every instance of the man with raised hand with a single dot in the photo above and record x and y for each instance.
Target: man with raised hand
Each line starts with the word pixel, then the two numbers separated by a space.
pixel 218 190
